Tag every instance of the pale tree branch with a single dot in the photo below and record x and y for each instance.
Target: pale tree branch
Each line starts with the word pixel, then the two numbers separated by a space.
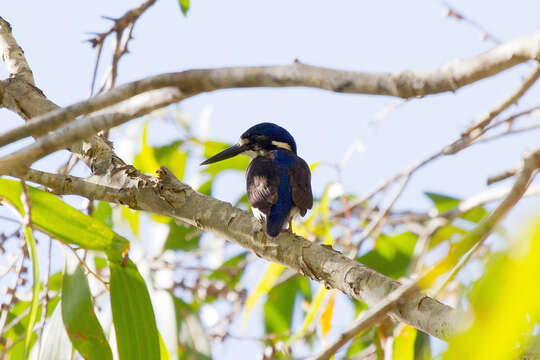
pixel 405 84
pixel 528 169
pixel 476 128
pixel 167 196
pixel 88 126
pixel 13 55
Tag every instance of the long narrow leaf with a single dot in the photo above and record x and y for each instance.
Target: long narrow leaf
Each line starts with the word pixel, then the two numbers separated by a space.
pixel 314 309
pixel 265 285
pixel 35 288
pixel 79 317
pixel 137 336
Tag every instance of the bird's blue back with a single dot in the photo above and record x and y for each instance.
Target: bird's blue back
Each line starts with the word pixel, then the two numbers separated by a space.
pixel 283 160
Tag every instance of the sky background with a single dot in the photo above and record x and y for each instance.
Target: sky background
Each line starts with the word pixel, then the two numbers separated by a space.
pixel 349 35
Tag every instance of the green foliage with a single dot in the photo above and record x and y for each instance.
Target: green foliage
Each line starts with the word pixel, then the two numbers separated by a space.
pixel 404 343
pixel 229 270
pixel 182 237
pixel 61 221
pixel 504 303
pixel 151 158
pixel 184 6
pixel 211 148
pixel 444 203
pixel 278 308
pixel 133 317
pixel 79 317
pixel 103 212
pixel 31 242
pixel 391 255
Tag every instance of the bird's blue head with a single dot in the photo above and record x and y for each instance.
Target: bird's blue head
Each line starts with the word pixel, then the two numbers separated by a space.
pixel 259 138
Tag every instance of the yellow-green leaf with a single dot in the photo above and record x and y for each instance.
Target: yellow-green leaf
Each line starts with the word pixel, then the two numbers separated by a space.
pixel 504 303
pixel 264 286
pixel 61 221
pixel 404 343
pixel 314 308
pixel 132 217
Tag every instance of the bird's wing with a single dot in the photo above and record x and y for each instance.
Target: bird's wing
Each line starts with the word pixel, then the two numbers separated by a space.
pixel 300 179
pixel 262 184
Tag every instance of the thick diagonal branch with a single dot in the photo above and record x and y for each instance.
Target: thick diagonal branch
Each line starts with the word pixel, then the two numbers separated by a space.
pixel 167 196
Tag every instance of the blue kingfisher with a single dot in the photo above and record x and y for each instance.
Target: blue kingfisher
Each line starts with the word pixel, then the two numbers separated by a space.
pixel 278 181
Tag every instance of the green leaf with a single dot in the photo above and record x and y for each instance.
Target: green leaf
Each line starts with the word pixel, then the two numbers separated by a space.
pixel 229 271
pixel 103 212
pixel 32 249
pixel 391 255
pixel 150 158
pixel 145 161
pixel 79 317
pixel 172 158
pixel 443 203
pixel 445 233
pixel 206 187
pixel 182 237
pixel 184 6
pixel 132 217
pixel 475 214
pixel 422 347
pixel 163 351
pixel 133 317
pixel 211 148
pixel 279 305
pixel 404 343
pixel 61 221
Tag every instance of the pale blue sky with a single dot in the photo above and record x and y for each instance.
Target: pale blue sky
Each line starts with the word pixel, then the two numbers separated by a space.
pixel 352 35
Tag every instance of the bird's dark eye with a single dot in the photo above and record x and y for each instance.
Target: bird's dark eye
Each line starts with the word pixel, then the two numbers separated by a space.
pixel 263 141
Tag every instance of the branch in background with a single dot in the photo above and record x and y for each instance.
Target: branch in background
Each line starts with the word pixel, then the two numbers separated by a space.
pixel 529 166
pixel 502 176
pixel 406 84
pixel 478 126
pixel 450 149
pixel 13 55
pixel 168 196
pixel 366 319
pixel 88 126
pixel 22 97
pixel 458 15
pixel 126 21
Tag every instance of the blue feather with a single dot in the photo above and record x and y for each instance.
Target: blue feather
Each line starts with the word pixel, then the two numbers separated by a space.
pixel 281 209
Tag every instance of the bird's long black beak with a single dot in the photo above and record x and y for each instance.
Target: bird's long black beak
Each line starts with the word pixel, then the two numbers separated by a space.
pixel 225 154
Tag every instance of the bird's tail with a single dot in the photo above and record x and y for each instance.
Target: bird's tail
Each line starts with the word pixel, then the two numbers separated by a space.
pixel 274 224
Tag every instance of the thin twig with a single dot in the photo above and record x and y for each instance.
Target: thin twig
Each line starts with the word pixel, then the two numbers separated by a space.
pixel 477 127
pixel 87 268
pixel 366 319
pixel 529 166
pixel 458 15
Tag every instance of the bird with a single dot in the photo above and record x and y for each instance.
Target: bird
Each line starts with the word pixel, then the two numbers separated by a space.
pixel 278 181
